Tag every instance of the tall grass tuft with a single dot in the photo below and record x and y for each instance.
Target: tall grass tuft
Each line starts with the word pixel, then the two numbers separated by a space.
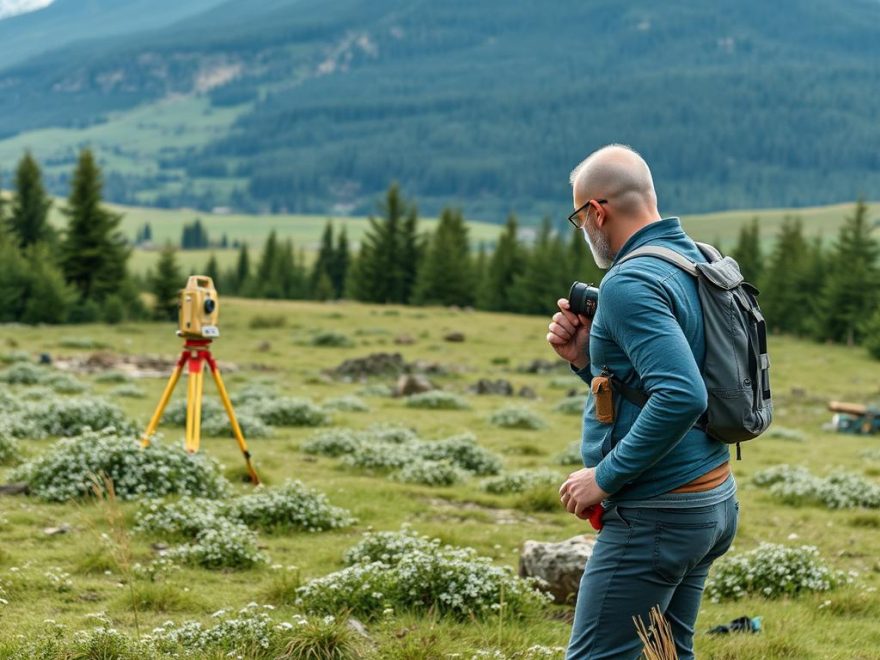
pixel 656 636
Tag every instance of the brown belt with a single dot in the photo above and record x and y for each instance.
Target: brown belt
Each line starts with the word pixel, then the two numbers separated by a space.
pixel 714 477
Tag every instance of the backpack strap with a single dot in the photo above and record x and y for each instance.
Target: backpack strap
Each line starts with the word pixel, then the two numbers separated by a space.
pixel 666 254
pixel 709 251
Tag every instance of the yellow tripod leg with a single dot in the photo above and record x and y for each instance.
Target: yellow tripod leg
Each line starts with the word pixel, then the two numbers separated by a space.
pixel 190 404
pixel 163 403
pixel 197 412
pixel 236 429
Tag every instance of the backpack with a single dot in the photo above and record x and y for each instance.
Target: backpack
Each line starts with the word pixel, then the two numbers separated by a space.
pixel 737 368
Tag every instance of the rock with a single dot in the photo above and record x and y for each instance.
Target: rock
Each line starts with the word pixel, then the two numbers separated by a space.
pixel 14 489
pixel 358 627
pixel 412 384
pixel 542 366
pixel 264 346
pixel 527 392
pixel 456 337
pixel 374 364
pixel 63 528
pixel 404 340
pixel 498 387
pixel 560 565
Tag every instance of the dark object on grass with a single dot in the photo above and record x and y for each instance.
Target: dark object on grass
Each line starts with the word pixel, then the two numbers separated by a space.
pixel 741 624
pixel 14 489
pixel 45 358
pixel 457 337
pixel 499 387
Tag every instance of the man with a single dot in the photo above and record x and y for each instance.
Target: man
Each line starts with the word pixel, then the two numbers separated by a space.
pixel 669 498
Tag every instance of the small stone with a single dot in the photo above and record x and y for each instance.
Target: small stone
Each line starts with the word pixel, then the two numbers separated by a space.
pixel 404 340
pixel 456 337
pixel 527 392
pixel 500 387
pixel 357 627
pixel 560 565
pixel 264 346
pixel 412 384
pixel 63 528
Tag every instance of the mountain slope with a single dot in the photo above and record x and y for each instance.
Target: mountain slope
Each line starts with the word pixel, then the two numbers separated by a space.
pixel 489 105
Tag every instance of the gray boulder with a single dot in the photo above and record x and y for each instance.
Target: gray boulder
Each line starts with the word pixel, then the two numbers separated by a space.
pixel 560 565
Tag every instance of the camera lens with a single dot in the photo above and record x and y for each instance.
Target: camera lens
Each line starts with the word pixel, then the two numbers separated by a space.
pixel 582 299
pixel 210 306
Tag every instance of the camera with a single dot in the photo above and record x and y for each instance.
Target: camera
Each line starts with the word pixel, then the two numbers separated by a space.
pixel 198 309
pixel 583 298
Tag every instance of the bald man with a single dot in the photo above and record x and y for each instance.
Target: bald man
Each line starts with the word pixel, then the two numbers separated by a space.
pixel 668 495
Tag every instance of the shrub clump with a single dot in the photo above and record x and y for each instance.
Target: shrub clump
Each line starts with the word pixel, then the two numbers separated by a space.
pixel 346 404
pixel 65 471
pixel 128 391
pixel 177 519
pixel 418 573
pixel 463 451
pixel 517 417
pixel 430 473
pixel 572 405
pixel 8 445
pixel 225 544
pixel 571 455
pixel 437 400
pixel 293 505
pixel 772 570
pixel 519 481
pixel 290 411
pixel 250 425
pixel 331 338
pixel 24 373
pixel 795 485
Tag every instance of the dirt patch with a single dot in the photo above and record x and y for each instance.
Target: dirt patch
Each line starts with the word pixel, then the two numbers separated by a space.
pixel 458 511
pixel 135 366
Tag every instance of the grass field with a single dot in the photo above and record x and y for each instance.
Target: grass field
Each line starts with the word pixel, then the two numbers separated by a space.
pixel 805 375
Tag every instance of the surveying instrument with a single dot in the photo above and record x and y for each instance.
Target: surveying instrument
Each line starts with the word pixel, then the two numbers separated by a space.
pixel 198 310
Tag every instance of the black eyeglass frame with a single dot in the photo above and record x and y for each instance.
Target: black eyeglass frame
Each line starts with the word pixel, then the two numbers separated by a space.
pixel 572 218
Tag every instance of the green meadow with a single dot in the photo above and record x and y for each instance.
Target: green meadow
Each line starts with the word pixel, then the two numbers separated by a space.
pixel 838 624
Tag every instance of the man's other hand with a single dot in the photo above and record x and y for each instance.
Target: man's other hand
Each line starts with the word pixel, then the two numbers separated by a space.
pixel 570 334
pixel 581 491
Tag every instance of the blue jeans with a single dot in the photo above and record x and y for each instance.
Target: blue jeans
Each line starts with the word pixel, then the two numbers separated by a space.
pixel 645 557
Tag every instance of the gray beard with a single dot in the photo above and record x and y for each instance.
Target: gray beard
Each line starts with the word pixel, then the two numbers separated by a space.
pixel 599 247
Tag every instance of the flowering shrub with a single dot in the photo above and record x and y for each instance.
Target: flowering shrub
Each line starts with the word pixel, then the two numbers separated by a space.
pixel 346 404
pixel 175 413
pixel 772 570
pixel 253 392
pixel 839 490
pixel 463 451
pixel 519 481
pixel 387 546
pixel 871 454
pixel 24 373
pixel 63 473
pixel 571 455
pixel 293 505
pixel 15 356
pixel 225 544
pixel 8 444
pixel 250 425
pixel 64 384
pixel 128 391
pixel 572 405
pixel 516 417
pixel 183 518
pixel 393 433
pixel 72 416
pixel 289 411
pixel 430 473
pixel 420 575
pixel 437 400
pixel 333 442
pixel 378 455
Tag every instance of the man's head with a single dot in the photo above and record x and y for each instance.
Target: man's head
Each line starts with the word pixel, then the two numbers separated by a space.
pixel 617 183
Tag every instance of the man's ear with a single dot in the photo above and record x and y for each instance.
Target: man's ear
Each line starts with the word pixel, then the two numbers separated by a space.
pixel 600 213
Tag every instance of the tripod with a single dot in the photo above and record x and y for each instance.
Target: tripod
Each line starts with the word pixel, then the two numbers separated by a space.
pixel 195 353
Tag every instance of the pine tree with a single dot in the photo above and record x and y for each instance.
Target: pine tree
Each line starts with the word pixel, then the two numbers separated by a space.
pixel 481 265
pixel 242 274
pixel 386 266
pixel 94 253
pixel 212 269
pixel 507 261
pixel 545 278
pixel 48 297
pixel 324 262
pixel 785 292
pixel 340 266
pixel 269 282
pixel 446 276
pixel 748 251
pixel 292 272
pixel 872 334
pixel 850 292
pixel 166 283
pixel 29 217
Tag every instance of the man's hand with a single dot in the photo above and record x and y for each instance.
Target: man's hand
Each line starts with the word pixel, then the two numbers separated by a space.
pixel 570 334
pixel 580 491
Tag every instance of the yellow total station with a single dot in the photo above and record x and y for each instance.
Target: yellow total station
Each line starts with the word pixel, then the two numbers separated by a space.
pixel 197 324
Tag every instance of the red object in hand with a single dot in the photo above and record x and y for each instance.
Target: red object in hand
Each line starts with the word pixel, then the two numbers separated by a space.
pixel 594 515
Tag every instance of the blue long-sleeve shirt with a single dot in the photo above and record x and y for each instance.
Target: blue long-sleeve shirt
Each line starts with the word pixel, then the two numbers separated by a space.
pixel 648 332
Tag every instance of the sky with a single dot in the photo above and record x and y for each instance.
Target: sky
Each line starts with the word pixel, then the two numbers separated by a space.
pixel 14 7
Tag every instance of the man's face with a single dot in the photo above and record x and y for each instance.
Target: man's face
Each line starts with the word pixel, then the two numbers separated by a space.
pixel 594 236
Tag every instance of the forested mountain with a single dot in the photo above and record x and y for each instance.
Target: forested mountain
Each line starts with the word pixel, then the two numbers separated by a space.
pixel 488 105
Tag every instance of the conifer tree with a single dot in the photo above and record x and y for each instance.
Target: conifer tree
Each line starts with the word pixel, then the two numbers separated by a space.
pixel 386 265
pixel 165 284
pixel 212 269
pixel 269 282
pixel 481 264
pixel 748 251
pixel 242 272
pixel 29 217
pixel 292 272
pixel 93 253
pixel 785 293
pixel 324 262
pixel 851 290
pixel 48 298
pixel 507 261
pixel 872 334
pixel 446 275
pixel 545 278
pixel 340 265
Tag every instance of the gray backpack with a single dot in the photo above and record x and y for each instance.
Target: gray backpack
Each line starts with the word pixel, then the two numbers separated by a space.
pixel 736 370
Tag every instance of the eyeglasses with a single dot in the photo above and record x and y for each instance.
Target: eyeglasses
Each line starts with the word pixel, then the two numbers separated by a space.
pixel 574 219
